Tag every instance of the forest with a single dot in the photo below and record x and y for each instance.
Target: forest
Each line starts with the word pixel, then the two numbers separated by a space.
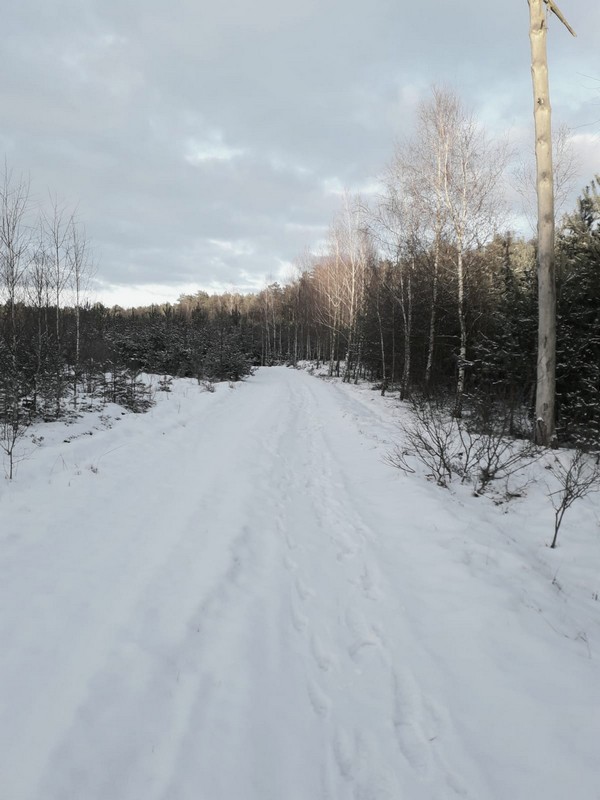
pixel 421 289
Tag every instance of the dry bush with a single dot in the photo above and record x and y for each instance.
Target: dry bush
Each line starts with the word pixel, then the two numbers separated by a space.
pixel 474 448
pixel 578 475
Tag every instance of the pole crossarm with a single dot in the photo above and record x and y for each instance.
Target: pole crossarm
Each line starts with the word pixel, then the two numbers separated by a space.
pixel 557 12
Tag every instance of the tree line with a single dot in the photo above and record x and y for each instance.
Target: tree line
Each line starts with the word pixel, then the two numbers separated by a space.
pixel 420 289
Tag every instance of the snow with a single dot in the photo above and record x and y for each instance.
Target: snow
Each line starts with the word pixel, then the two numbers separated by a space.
pixel 234 597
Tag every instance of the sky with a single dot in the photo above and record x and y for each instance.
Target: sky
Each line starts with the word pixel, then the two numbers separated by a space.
pixel 206 145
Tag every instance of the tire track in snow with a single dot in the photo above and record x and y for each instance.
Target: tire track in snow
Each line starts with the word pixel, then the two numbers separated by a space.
pixel 244 651
pixel 337 540
pixel 166 646
pixel 356 641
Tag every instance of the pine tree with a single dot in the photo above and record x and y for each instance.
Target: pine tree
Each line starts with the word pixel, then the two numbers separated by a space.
pixel 578 363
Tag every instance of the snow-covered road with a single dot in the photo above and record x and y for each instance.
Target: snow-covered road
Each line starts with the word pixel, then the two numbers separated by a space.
pixel 233 597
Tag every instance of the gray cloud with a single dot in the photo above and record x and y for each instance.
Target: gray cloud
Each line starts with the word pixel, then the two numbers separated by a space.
pixel 199 140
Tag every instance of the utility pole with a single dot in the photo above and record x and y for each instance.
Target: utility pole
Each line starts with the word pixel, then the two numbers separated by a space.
pixel 545 402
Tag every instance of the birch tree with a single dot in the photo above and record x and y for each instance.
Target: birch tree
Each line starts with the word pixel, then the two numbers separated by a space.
pixel 15 257
pixel 428 159
pixel 15 245
pixel 57 232
pixel 328 305
pixel 471 172
pixel 349 247
pixel 78 272
pixel 399 222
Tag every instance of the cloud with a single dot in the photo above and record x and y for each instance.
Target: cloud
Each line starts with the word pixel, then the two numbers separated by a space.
pixel 184 129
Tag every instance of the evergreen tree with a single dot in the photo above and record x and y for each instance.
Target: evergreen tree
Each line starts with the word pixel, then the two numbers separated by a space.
pixel 578 362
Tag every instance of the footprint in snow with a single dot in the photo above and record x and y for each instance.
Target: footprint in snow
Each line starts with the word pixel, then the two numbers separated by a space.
pixel 319 653
pixel 304 591
pixel 319 701
pixel 407 723
pixel 299 621
pixel 289 564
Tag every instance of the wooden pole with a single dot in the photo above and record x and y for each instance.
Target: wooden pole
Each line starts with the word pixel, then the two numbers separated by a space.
pixel 545 407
